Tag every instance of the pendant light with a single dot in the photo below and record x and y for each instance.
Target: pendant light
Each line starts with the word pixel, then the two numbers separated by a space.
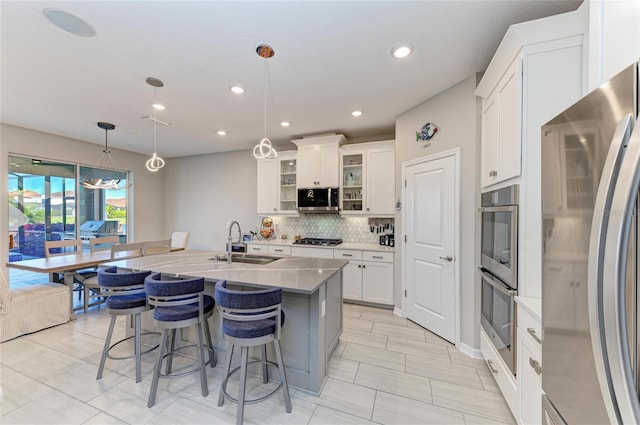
pixel 264 149
pixel 155 162
pixel 92 180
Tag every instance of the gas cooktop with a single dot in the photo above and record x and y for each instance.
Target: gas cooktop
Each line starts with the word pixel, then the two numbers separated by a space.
pixel 318 241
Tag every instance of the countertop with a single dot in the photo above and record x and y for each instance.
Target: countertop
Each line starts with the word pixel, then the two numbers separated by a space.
pixel 292 274
pixel 343 245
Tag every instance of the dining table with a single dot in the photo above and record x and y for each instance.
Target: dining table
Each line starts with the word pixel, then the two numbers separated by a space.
pixel 67 265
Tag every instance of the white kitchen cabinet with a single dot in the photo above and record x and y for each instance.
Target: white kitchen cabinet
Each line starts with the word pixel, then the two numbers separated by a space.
pixel 368 277
pixel 501 135
pixel 267 186
pixel 318 161
pixel 368 179
pixel 276 185
pixel 529 364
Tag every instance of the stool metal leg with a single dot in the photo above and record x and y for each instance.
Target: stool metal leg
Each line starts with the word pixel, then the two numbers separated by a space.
pixel 265 369
pixel 138 348
pixel 172 348
pixel 283 376
pixel 212 354
pixel 227 367
pixel 203 365
pixel 243 384
pixel 156 370
pixel 107 342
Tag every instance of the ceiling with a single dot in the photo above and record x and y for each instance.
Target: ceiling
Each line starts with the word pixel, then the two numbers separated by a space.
pixel 330 58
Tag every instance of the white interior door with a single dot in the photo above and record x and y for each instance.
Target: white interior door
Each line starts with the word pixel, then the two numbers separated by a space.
pixel 430 220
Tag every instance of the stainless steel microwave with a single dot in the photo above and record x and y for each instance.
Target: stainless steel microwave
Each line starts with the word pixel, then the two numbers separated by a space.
pixel 318 200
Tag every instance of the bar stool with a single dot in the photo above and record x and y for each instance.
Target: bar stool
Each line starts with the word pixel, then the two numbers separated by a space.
pixel 251 318
pixel 125 296
pixel 179 303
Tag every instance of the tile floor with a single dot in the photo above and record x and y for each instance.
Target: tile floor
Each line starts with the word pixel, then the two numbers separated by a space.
pixel 386 370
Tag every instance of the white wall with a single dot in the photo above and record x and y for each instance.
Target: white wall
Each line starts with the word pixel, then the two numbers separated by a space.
pixel 456 114
pixel 147 195
pixel 203 193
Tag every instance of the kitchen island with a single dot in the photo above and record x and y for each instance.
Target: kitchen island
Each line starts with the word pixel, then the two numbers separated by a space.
pixel 311 300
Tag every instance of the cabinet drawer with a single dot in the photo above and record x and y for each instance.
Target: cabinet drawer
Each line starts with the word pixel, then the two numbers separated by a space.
pixel 347 254
pixel 505 380
pixel 298 251
pixel 530 326
pixel 385 257
pixel 280 250
pixel 558 268
pixel 258 249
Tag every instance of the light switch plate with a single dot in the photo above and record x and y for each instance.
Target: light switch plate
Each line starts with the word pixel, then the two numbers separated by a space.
pixel 324 308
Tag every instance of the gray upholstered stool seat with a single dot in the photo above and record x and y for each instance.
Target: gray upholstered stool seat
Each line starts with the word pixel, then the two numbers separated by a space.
pixel 179 303
pixel 251 318
pixel 125 296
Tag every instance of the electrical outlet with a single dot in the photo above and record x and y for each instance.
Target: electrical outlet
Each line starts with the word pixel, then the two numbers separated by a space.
pixel 324 308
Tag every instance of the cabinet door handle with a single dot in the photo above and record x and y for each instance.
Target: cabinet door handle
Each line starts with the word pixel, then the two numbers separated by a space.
pixel 364 266
pixel 277 250
pixel 491 368
pixel 275 209
pixel 535 365
pixel 377 257
pixel 447 258
pixel 367 209
pixel 532 332
pixel 347 255
pixel 359 266
pixel 257 249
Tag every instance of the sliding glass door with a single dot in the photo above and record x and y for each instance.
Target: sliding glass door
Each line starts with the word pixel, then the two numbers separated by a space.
pixel 47 203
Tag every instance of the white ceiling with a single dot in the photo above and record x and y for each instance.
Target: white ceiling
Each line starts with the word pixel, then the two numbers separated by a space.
pixel 331 57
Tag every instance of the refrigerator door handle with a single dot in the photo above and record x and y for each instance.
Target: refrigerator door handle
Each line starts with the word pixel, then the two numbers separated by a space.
pixel 617 348
pixel 599 227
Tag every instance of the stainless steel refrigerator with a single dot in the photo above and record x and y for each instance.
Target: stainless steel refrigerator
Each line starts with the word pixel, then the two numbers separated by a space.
pixel 590 297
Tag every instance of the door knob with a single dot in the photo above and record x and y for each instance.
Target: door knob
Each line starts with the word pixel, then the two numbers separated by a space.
pixel 448 258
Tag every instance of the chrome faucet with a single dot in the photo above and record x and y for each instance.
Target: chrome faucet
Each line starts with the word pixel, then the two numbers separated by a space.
pixel 229 240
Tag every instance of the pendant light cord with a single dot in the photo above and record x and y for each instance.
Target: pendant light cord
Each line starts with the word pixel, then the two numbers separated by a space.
pixel 266 73
pixel 155 123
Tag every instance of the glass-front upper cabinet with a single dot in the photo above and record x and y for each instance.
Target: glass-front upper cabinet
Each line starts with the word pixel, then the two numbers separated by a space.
pixel 352 175
pixel 287 189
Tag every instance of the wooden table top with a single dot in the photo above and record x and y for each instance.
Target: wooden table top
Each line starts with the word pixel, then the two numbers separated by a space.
pixel 62 263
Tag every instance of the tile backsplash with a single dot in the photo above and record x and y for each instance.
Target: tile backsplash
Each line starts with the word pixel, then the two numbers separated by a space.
pixel 349 229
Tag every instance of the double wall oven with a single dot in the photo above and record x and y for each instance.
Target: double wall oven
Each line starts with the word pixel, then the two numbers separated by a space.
pixel 499 270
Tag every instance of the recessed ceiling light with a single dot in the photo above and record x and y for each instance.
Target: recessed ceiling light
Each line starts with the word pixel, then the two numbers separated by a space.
pixel 401 51
pixel 285 123
pixel 222 133
pixel 237 89
pixel 69 23
pixel 159 107
pixel 356 113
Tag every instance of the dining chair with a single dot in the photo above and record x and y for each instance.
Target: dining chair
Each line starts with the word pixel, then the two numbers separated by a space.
pixel 91 286
pixel 68 247
pixel 179 240
pixel 124 251
pixel 156 247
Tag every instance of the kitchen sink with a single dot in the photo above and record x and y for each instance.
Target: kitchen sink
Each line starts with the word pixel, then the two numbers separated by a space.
pixel 246 258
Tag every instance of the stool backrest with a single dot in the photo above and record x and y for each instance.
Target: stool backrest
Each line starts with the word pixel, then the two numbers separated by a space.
pixel 103 244
pixel 64 247
pixel 114 281
pixel 174 292
pixel 249 306
pixel 156 247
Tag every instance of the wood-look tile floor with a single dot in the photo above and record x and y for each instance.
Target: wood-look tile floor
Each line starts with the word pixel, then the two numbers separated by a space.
pixel 386 370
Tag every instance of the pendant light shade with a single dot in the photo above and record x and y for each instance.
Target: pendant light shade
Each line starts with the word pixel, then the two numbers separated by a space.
pixel 264 150
pixel 155 162
pixel 92 180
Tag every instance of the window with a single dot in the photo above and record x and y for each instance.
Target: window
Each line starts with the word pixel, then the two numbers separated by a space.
pixel 43 205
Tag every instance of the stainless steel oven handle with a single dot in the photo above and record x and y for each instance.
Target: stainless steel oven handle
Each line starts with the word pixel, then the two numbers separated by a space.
pixel 507 208
pixel 497 285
